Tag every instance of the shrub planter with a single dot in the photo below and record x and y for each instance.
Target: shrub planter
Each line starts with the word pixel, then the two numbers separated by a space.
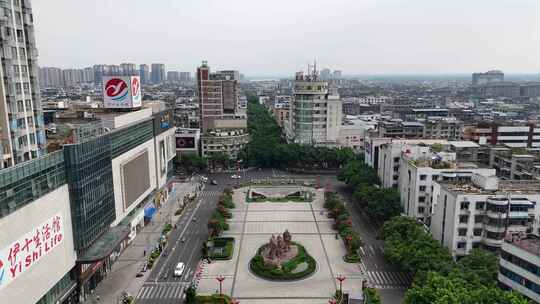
pixel 296 268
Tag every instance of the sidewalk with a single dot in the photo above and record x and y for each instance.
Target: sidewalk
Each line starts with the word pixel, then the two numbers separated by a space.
pixel 122 276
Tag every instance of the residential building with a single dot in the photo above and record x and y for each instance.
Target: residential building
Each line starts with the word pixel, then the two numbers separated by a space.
pixel 281 110
pixel 420 167
pixel 337 74
pixel 519 135
pixel 515 164
pixel 51 77
pixel 479 213
pixel 316 112
pixel 223 123
pixel 144 71
pixel 498 89
pixel 326 74
pixel 487 77
pixel 173 76
pixel 129 69
pixel 519 265
pixel 22 135
pixel 185 76
pixel 157 75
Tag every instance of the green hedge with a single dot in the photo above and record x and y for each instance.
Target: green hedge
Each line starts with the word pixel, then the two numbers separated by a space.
pixel 286 273
pixel 228 244
pixel 213 299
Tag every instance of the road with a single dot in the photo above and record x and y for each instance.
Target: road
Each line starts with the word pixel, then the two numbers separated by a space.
pixel 186 240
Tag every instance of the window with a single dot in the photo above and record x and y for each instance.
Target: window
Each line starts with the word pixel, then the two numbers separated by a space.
pixel 461 245
pixel 462 231
pixel 478 219
pixel 396 159
pixel 423 177
pixel 421 210
pixel 477 232
pixel 464 206
pixel 435 177
pixel 480 205
pixel 463 219
pixel 422 188
pixel 421 199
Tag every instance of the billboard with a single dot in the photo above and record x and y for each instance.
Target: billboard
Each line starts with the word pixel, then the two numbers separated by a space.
pixel 29 249
pixel 121 92
pixel 183 142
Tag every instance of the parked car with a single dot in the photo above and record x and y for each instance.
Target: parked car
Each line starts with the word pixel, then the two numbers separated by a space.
pixel 204 179
pixel 179 270
pixel 234 176
pixel 214 182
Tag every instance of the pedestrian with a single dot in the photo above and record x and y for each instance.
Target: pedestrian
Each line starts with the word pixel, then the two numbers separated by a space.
pixel 97 297
pixel 144 253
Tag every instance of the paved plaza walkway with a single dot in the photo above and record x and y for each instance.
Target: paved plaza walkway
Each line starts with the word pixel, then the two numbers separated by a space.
pixel 252 226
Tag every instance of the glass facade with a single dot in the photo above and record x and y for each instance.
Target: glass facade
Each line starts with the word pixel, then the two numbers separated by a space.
pixel 58 290
pixel 89 175
pixel 125 139
pixel 25 183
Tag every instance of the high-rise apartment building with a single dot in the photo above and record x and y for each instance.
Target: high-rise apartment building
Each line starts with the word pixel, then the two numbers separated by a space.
pixel 223 126
pixel 487 77
pixel 144 71
pixel 21 119
pixel 326 74
pixel 185 76
pixel 129 69
pixel 51 77
pixel 173 76
pixel 157 75
pixel 316 111
pixel 337 74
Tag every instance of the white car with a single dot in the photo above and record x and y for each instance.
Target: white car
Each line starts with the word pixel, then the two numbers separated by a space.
pixel 204 179
pixel 236 176
pixel 179 270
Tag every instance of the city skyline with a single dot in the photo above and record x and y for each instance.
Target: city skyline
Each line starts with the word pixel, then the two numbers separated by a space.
pixel 382 37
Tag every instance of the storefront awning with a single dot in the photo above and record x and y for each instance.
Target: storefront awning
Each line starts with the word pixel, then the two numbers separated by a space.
pixel 105 245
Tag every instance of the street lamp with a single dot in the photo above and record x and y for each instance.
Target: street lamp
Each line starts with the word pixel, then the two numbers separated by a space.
pixel 220 279
pixel 340 278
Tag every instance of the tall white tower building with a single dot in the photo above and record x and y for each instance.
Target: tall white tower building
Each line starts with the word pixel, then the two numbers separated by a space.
pixel 22 135
pixel 316 111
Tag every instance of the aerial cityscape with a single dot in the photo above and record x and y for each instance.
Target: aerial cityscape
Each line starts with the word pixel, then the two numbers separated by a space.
pixel 241 152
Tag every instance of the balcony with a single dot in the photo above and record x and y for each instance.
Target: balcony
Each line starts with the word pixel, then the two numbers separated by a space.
pixel 492 242
pixel 494 228
pixel 496 215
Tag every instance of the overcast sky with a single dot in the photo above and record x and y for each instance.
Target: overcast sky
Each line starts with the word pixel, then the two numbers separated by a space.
pixel 279 37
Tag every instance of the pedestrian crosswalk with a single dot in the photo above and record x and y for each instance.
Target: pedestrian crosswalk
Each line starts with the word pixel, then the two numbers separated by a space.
pixel 162 291
pixel 389 279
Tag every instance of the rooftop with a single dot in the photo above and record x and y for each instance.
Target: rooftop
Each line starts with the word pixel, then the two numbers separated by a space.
pixel 464 144
pixel 505 187
pixel 530 243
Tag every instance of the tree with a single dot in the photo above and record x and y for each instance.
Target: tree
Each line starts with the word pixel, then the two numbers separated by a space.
pixel 356 173
pixel 409 246
pixel 191 294
pixel 384 204
pixel 439 289
pixel 478 268
pixel 371 296
pixel 192 162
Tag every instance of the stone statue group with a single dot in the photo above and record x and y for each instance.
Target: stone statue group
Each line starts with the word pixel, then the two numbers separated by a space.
pixel 279 246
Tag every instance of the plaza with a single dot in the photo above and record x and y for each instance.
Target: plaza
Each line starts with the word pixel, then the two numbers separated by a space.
pixel 252 225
